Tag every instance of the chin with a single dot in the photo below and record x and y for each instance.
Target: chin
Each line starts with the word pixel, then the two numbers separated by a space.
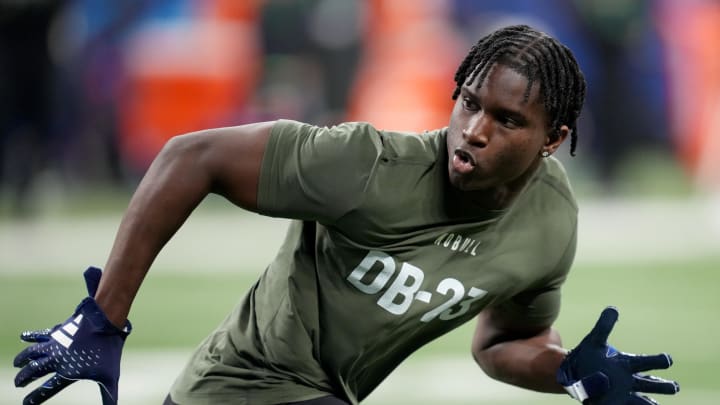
pixel 464 184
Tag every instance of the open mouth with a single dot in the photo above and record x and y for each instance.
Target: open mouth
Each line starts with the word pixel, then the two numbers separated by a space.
pixel 463 162
pixel 465 157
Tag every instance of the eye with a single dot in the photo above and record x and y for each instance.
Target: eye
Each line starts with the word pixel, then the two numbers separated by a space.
pixel 509 122
pixel 469 104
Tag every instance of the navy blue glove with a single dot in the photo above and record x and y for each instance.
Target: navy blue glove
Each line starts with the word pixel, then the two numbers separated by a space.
pixel 86 346
pixel 595 373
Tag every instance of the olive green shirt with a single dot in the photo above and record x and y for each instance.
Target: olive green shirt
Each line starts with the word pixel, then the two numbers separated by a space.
pixel 383 256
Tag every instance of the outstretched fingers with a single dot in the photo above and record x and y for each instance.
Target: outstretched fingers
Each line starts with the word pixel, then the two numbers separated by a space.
pixel 49 388
pixel 36 336
pixel 92 279
pixel 639 363
pixel 604 325
pixel 654 385
pixel 34 370
pixel 636 399
pixel 28 354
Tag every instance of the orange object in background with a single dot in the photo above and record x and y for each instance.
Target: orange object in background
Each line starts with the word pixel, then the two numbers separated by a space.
pixel 187 74
pixel 405 79
pixel 690 31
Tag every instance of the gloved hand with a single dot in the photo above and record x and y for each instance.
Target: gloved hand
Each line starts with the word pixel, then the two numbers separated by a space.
pixel 595 373
pixel 86 346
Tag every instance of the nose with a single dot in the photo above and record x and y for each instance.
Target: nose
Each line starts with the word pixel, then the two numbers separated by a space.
pixel 477 131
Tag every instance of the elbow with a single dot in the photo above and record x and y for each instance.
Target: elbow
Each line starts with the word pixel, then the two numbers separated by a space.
pixel 484 358
pixel 189 154
pixel 483 347
pixel 184 147
pixel 184 162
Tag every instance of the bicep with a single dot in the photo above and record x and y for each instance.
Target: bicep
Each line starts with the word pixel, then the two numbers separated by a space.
pixel 233 156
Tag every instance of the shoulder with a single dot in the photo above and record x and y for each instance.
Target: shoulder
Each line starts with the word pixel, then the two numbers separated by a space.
pixel 357 137
pixel 553 182
pixel 284 127
pixel 547 207
pixel 413 147
pixel 309 144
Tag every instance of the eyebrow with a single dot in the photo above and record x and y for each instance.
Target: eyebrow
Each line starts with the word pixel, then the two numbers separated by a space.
pixel 508 112
pixel 512 114
pixel 466 90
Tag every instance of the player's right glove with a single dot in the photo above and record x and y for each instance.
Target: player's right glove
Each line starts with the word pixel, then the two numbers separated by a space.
pixel 86 346
pixel 594 373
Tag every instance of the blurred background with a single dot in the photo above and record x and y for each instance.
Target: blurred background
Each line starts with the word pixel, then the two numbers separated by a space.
pixel 90 90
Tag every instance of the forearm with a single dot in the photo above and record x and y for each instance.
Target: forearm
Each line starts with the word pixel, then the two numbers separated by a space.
pixel 529 363
pixel 173 186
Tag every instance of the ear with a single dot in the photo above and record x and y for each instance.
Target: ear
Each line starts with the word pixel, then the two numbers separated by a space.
pixel 555 138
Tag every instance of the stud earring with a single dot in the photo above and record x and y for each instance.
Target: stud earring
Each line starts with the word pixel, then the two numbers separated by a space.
pixel 545 153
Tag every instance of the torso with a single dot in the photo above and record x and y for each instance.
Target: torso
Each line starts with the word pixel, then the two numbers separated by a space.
pixel 349 297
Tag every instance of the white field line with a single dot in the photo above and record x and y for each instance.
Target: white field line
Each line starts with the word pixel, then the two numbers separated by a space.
pixel 228 241
pixel 146 377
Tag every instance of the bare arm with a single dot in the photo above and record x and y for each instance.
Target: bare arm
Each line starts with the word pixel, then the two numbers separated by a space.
pixel 225 161
pixel 515 354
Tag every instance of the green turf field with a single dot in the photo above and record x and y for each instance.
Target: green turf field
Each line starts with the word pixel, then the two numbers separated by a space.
pixel 664 306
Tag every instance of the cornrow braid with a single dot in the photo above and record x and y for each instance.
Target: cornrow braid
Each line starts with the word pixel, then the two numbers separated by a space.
pixel 540 58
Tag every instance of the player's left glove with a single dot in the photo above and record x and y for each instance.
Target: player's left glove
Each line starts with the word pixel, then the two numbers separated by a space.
pixel 594 373
pixel 86 346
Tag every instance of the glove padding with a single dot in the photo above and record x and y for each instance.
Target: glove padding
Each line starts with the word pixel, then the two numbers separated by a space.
pixel 595 373
pixel 86 346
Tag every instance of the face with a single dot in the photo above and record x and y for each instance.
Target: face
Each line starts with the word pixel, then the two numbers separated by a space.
pixel 495 137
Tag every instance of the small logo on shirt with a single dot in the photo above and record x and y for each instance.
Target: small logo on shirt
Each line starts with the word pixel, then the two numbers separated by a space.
pixel 458 243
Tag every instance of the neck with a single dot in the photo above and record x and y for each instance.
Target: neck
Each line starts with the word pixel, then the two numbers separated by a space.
pixel 501 197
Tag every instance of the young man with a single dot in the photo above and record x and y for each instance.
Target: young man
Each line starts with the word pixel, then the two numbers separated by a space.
pixel 397 239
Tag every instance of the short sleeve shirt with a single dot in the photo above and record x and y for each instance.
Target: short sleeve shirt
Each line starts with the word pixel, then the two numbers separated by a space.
pixel 383 255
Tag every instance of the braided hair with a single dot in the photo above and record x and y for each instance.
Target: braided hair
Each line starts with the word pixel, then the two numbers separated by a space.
pixel 538 57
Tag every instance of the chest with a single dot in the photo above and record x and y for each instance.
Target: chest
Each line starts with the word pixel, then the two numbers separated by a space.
pixel 437 280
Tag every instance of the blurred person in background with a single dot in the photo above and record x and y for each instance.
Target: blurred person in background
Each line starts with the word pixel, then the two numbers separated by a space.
pixel 91 89
pixel 316 40
pixel 630 87
pixel 87 44
pixel 26 83
pixel 62 72
pixel 397 238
